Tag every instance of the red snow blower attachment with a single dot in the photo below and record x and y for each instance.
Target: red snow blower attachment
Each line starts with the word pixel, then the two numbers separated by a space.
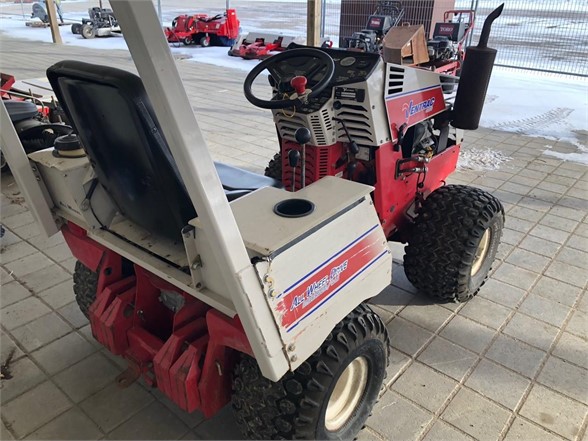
pixel 259 46
pixel 217 30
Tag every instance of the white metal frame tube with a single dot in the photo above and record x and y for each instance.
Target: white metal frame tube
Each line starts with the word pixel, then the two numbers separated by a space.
pixel 157 68
pixel 25 178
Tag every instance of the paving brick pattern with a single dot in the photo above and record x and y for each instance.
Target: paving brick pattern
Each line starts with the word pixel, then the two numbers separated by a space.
pixel 510 364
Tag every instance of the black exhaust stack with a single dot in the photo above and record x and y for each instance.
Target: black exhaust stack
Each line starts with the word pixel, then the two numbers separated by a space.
pixel 474 79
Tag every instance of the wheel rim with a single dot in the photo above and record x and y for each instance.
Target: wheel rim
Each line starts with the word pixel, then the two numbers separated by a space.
pixel 481 252
pixel 347 394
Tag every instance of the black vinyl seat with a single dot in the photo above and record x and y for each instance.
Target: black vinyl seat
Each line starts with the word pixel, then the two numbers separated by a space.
pixel 111 112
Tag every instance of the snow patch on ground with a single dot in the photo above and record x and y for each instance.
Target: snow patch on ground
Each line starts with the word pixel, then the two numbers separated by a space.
pixel 532 104
pixel 581 156
pixel 481 159
pixel 15 27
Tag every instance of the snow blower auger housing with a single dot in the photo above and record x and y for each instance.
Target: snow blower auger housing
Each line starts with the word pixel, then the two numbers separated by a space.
pixel 399 129
pixel 216 284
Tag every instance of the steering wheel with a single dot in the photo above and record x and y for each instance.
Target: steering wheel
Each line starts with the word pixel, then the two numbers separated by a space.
pixel 324 60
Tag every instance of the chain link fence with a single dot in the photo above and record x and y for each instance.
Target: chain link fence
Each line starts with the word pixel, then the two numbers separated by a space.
pixel 542 35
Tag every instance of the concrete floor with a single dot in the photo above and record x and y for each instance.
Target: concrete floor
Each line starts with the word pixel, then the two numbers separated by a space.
pixel 510 364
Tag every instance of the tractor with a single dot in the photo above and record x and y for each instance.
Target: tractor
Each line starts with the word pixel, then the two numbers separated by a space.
pixel 399 129
pixel 219 285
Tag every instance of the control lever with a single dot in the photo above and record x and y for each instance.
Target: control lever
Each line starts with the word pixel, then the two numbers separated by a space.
pixel 303 136
pixel 351 167
pixel 293 159
pixel 353 147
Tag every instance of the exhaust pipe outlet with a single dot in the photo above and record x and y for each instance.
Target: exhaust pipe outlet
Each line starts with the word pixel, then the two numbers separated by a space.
pixel 474 79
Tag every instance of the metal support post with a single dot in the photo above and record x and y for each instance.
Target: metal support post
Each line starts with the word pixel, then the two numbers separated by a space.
pixel 313 23
pixel 323 17
pixel 26 180
pixel 52 15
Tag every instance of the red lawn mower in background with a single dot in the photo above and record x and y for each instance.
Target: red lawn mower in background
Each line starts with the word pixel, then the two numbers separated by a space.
pixel 446 48
pixel 217 30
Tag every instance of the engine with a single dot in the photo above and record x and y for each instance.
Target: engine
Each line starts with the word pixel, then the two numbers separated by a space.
pixel 443 45
pixel 365 40
pixel 441 49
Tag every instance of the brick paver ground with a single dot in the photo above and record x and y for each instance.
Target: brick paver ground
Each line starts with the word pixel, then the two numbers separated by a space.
pixel 510 364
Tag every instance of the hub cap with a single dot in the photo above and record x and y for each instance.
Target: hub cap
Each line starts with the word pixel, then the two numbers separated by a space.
pixel 481 252
pixel 347 394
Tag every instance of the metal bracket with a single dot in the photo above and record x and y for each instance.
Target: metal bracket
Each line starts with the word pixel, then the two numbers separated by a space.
pixel 194 258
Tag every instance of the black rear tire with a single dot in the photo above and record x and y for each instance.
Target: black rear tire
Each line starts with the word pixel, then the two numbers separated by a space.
pixel 444 257
pixel 85 286
pixel 274 167
pixel 296 406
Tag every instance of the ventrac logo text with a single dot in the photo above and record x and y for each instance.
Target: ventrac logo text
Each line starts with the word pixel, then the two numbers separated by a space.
pixel 315 289
pixel 411 109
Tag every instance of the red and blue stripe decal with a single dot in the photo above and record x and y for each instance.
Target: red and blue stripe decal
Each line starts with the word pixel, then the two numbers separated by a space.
pixel 316 288
pixel 414 106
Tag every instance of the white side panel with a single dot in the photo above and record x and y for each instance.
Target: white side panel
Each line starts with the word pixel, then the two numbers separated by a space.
pixel 315 283
pixel 402 79
pixel 38 203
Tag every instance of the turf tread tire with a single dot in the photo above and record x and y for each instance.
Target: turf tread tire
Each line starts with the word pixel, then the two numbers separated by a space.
pixel 274 167
pixel 444 240
pixel 85 287
pixel 292 407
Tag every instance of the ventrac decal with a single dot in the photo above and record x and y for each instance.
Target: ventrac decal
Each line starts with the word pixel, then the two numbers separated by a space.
pixel 412 107
pixel 315 289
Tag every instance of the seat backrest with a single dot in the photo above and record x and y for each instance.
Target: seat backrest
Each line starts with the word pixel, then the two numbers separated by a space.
pixel 110 111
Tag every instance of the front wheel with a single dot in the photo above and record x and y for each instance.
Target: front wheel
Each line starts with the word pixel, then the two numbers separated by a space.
pixel 329 396
pixel 454 242
pixel 274 167
pixel 88 31
pixel 205 41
